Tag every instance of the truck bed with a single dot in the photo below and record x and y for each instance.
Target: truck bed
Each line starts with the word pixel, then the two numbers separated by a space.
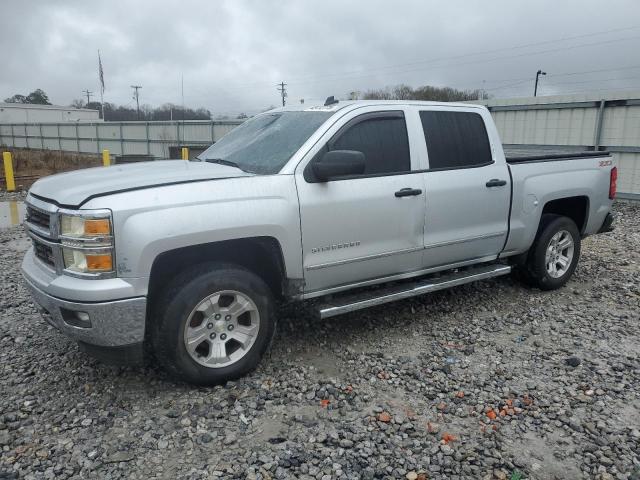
pixel 525 155
pixel 542 176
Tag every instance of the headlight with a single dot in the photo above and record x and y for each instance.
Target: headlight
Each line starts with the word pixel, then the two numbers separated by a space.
pixel 87 242
pixel 77 226
pixel 87 262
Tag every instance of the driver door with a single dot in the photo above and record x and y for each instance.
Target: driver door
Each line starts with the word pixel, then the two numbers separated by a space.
pixel 363 227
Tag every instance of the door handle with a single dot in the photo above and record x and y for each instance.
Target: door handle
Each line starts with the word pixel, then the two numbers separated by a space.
pixel 495 182
pixel 408 192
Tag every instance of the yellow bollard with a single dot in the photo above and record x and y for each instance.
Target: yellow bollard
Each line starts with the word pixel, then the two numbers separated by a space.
pixel 185 153
pixel 106 158
pixel 8 171
pixel 13 212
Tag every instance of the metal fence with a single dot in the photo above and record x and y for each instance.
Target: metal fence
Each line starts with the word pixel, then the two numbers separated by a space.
pixel 576 122
pixel 559 123
pixel 120 138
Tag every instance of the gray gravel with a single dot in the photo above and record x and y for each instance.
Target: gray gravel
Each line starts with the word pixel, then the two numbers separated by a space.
pixel 407 390
pixel 17 195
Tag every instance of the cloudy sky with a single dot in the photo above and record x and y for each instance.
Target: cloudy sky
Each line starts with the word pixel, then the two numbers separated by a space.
pixel 231 54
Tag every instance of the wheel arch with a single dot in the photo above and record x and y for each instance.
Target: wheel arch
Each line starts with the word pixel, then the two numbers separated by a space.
pixel 576 208
pixel 260 255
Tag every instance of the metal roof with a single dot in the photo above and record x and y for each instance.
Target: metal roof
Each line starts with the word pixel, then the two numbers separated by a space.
pixel 44 107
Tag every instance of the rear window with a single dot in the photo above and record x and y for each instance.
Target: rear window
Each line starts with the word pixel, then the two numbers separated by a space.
pixel 455 140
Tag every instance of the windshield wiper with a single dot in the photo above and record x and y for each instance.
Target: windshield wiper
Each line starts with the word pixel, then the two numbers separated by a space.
pixel 228 163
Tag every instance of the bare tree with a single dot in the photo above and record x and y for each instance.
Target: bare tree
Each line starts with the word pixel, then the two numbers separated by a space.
pixel 378 94
pixel 402 92
pixel 426 92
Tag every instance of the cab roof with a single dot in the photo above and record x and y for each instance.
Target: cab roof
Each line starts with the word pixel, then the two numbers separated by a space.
pixel 341 104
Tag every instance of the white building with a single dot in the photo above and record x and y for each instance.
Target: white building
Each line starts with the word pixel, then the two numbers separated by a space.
pixel 33 113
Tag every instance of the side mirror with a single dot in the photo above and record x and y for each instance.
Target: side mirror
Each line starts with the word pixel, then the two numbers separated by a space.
pixel 339 163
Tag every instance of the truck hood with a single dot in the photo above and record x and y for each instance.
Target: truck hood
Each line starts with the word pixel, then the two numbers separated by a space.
pixel 74 188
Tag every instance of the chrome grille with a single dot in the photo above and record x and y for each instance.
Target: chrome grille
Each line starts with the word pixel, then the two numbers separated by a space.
pixel 38 218
pixel 42 226
pixel 44 252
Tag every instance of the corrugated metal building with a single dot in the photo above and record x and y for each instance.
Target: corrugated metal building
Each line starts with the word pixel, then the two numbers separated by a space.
pixel 594 121
pixel 33 113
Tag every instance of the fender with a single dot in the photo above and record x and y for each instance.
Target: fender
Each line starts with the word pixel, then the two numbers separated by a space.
pixel 148 223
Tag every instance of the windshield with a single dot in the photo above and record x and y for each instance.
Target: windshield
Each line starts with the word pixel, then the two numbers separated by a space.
pixel 265 143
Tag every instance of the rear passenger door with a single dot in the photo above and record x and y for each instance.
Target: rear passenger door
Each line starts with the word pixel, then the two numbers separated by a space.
pixel 366 226
pixel 467 188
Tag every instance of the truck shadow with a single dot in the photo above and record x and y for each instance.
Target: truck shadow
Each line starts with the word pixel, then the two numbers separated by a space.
pixel 302 337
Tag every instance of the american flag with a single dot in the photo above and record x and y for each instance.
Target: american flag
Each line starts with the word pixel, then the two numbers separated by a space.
pixel 100 72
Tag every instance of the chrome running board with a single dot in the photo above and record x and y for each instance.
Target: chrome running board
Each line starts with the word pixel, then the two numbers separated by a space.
pixel 352 302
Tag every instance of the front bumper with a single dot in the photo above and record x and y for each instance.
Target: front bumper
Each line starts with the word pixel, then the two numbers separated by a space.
pixel 107 324
pixel 103 321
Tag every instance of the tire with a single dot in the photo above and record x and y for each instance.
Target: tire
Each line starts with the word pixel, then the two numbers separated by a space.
pixel 226 315
pixel 541 270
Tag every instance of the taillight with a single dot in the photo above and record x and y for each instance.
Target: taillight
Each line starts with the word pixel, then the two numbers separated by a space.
pixel 613 183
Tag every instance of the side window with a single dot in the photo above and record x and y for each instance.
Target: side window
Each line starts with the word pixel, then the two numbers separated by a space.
pixel 455 139
pixel 383 140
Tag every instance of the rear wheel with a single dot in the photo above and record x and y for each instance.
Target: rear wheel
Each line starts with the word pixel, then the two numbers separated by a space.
pixel 213 324
pixel 554 255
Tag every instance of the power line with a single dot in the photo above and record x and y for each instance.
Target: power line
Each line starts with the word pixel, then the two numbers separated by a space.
pixel 515 47
pixel 358 73
pixel 283 91
pixel 471 62
pixel 364 74
pixel 456 64
pixel 137 98
pixel 88 94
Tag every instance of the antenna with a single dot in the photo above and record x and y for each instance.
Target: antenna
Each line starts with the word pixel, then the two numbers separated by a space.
pixel 330 101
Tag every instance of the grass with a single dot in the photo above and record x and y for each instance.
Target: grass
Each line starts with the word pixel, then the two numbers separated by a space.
pixel 27 161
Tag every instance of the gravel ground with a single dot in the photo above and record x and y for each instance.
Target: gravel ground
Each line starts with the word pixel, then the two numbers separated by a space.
pixel 490 380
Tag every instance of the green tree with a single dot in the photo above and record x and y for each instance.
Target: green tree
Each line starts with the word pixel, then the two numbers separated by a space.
pixel 17 98
pixel 36 97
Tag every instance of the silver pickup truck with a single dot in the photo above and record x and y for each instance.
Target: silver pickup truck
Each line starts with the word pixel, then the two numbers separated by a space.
pixel 187 260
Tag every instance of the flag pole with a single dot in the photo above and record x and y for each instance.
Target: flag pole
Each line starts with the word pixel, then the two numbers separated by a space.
pixel 102 104
pixel 101 78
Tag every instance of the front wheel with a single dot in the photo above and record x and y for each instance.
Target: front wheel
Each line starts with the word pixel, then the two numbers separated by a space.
pixel 554 255
pixel 213 323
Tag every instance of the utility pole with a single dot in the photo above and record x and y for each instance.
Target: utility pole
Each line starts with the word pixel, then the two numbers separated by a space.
pixel 283 91
pixel 535 89
pixel 136 96
pixel 88 94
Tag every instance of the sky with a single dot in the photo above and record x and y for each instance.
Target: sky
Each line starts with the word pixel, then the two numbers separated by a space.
pixel 229 55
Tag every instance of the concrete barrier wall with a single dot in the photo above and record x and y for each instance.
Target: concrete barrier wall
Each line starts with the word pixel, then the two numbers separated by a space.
pixel 576 122
pixel 151 138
